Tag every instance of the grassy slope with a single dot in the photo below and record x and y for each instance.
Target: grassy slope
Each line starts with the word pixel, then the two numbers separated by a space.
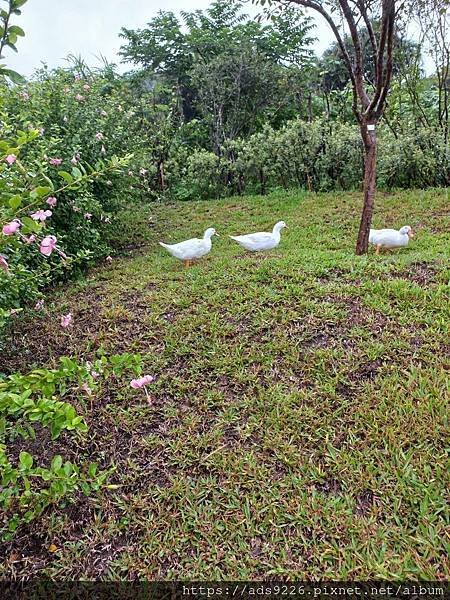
pixel 299 415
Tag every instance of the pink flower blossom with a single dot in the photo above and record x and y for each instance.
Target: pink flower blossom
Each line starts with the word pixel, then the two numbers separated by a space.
pixel 85 387
pixel 86 87
pixel 79 98
pixel 74 160
pixel 29 239
pixel 88 216
pixel 39 304
pixel 4 264
pixel 41 215
pixel 141 382
pixel 52 201
pixel 66 320
pixel 48 244
pixel 24 95
pixel 55 161
pixel 99 136
pixel 11 228
pixel 11 159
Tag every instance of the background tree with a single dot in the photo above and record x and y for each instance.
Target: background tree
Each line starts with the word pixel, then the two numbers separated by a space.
pixel 228 69
pixel 369 97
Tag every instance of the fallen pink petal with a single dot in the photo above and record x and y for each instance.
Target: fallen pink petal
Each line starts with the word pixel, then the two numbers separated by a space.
pixel 66 320
pixel 11 159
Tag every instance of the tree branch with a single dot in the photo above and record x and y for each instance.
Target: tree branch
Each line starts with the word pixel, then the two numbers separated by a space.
pixel 319 8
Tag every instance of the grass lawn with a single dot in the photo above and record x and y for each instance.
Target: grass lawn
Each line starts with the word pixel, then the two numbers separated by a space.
pixel 298 423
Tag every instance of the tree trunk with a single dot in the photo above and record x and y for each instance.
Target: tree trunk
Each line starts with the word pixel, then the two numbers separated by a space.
pixel 370 172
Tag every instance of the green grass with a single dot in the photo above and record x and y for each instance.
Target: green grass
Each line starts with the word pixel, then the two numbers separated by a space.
pixel 299 417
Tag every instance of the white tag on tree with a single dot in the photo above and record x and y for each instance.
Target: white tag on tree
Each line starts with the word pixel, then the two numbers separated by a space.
pixel 371 127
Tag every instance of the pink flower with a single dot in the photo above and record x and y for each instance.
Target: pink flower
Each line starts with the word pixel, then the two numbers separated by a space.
pixel 74 160
pixel 85 387
pixel 55 161
pixel 66 320
pixel 4 264
pixel 51 201
pixel 99 136
pixel 24 95
pixel 29 239
pixel 39 304
pixel 79 98
pixel 109 259
pixel 141 382
pixel 48 244
pixel 88 216
pixel 41 215
pixel 11 228
pixel 11 159
pixel 86 87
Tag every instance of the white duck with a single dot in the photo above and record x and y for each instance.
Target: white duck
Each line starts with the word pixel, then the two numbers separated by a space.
pixel 256 242
pixel 390 238
pixel 189 250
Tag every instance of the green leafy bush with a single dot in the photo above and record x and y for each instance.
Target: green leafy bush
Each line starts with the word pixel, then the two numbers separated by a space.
pixel 35 402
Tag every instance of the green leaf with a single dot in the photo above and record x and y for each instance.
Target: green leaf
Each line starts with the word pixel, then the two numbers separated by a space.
pixel 77 173
pixel 18 31
pixel 29 225
pixel 57 463
pixel 26 460
pixel 56 430
pixel 42 191
pixel 13 75
pixel 15 201
pixel 66 176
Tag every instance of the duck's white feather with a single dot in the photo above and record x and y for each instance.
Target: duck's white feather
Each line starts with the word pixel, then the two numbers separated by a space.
pixel 261 240
pixel 191 249
pixel 390 238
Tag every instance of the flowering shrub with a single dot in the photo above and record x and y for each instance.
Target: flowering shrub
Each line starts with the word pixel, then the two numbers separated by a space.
pixel 33 240
pixel 33 402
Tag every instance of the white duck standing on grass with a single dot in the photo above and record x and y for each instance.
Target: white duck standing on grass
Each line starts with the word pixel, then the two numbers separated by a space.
pixel 190 250
pixel 390 238
pixel 255 242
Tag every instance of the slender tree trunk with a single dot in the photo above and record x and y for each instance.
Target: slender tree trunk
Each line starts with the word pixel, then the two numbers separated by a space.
pixel 370 172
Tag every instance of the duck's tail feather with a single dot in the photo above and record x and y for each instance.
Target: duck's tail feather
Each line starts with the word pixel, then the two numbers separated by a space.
pixel 166 246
